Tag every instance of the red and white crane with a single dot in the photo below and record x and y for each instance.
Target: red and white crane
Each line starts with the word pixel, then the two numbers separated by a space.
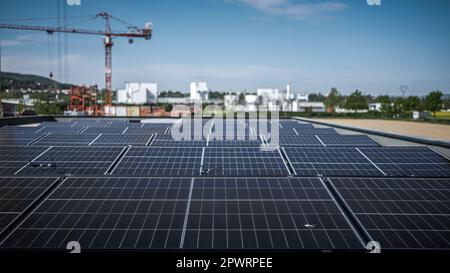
pixel 108 34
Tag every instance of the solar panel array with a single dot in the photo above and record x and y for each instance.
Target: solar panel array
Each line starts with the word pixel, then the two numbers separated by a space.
pixel 118 184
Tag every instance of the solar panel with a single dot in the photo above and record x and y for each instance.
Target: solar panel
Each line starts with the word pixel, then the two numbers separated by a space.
pixel 409 161
pixel 144 131
pixel 99 123
pixel 13 158
pixel 107 213
pixel 400 213
pixel 160 161
pixel 63 161
pixel 104 130
pixel 121 140
pixel 243 161
pixel 295 140
pixel 330 161
pixel 347 140
pixel 19 129
pixel 60 124
pixel 124 124
pixel 317 131
pixel 69 130
pixel 265 213
pixel 234 143
pixel 296 125
pixel 17 139
pixel 156 125
pixel 65 140
pixel 17 194
pixel 120 193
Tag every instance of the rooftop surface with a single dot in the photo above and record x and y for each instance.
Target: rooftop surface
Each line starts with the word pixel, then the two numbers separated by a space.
pixel 112 184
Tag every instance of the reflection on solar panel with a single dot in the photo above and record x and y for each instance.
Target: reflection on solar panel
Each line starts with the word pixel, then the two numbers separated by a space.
pixel 65 139
pixel 330 161
pixel 17 194
pixel 347 140
pixel 243 161
pixel 160 161
pixel 273 213
pixel 400 213
pixel 409 161
pixel 121 140
pixel 63 161
pixel 112 213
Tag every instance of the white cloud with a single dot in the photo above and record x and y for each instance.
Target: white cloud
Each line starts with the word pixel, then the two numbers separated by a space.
pixel 297 11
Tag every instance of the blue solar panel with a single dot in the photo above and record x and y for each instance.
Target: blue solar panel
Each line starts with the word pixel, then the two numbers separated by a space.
pixel 330 161
pixel 160 161
pixel 243 161
pixel 347 140
pixel 400 213
pixel 409 161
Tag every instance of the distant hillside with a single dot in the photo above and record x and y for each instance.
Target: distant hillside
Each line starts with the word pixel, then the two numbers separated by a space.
pixel 10 80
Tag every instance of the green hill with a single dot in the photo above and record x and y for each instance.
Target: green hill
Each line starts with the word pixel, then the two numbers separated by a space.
pixel 16 81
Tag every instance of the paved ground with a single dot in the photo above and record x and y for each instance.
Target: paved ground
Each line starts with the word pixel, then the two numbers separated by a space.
pixel 418 129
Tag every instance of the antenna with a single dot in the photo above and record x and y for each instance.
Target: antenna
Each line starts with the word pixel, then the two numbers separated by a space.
pixel 403 89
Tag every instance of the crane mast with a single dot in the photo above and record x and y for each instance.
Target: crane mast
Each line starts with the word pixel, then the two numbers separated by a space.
pixel 108 35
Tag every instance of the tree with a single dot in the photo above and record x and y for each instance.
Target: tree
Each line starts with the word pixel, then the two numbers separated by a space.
pixel 386 104
pixel 412 103
pixel 433 102
pixel 356 101
pixel 316 97
pixel 333 100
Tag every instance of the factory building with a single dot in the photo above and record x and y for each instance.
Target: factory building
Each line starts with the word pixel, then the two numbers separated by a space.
pixel 199 91
pixel 138 93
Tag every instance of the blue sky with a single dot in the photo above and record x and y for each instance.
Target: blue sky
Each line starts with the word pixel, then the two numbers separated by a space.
pixel 246 44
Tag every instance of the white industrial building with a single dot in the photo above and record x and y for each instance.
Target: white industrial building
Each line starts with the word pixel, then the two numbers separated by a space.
pixel 268 93
pixel 138 93
pixel 199 91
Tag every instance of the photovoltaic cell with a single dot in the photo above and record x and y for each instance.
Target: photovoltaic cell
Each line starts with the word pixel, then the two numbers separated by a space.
pixel 347 140
pixel 103 130
pixel 61 130
pixel 13 158
pixel 144 131
pixel 121 140
pixel 107 213
pixel 401 213
pixel 160 161
pixel 242 161
pixel 330 161
pixel 295 140
pixel 17 194
pixel 265 213
pixel 63 161
pixel 19 129
pixel 409 161
pixel 17 139
pixel 65 140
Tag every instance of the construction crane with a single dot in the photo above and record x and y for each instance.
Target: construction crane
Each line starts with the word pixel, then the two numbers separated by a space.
pixel 133 32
